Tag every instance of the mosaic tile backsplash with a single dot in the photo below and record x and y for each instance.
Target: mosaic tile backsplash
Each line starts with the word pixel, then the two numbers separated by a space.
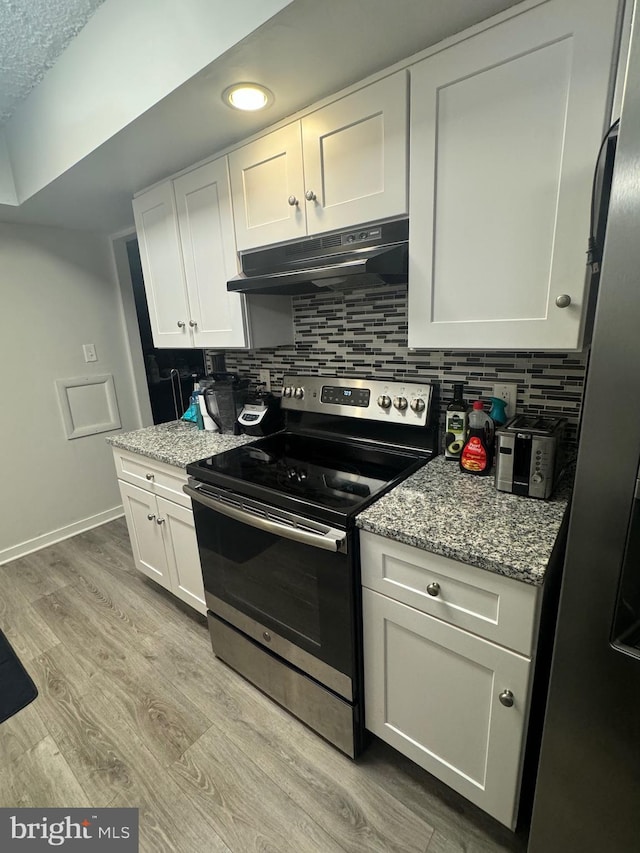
pixel 363 332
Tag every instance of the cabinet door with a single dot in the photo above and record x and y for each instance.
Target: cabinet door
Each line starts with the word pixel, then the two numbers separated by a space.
pixel 141 512
pixel 432 691
pixel 161 257
pixel 183 559
pixel 505 128
pixel 355 157
pixel 203 203
pixel 265 176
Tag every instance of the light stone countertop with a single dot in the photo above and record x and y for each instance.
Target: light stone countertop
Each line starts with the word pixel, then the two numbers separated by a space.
pixel 438 509
pixel 177 443
pixel 461 516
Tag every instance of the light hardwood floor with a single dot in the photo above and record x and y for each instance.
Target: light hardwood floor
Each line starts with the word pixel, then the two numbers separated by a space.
pixel 135 710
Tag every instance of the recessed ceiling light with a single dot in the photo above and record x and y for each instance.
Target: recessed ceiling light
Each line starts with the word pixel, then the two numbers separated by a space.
pixel 247 96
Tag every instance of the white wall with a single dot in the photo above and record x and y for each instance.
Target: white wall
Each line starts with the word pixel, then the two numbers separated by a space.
pixel 128 57
pixel 57 292
pixel 7 185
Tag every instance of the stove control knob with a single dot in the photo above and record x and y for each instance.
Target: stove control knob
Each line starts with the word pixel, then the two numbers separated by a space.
pixel 298 393
pixel 417 404
pixel 286 391
pixel 400 403
pixel 384 401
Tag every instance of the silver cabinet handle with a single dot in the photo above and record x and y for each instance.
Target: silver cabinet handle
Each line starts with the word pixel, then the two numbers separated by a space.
pixel 506 697
pixel 149 476
pixel 181 324
pixel 310 195
pixel 293 201
pixel 159 520
pixel 563 301
pixel 150 516
pixel 433 589
pixel 193 323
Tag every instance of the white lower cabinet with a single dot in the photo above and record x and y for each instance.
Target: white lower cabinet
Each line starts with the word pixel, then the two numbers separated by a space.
pixel 163 537
pixel 454 702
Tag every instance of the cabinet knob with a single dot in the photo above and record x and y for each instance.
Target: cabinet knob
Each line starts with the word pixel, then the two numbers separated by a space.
pixel 293 201
pixel 160 521
pixel 506 697
pixel 433 589
pixel 193 323
pixel 149 476
pixel 310 195
pixel 181 324
pixel 563 301
pixel 151 516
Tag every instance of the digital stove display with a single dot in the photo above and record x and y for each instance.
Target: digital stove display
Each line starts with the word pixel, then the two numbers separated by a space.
pixel 345 396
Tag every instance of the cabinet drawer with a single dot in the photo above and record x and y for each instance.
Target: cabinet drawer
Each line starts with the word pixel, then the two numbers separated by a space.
pixel 163 480
pixel 500 609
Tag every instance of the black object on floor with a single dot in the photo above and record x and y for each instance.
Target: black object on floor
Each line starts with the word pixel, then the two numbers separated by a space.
pixel 16 687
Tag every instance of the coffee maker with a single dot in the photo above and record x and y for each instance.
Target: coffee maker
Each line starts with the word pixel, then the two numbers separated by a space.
pixel 261 414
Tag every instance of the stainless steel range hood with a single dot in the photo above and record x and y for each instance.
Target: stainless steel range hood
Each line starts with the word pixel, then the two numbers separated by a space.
pixel 367 255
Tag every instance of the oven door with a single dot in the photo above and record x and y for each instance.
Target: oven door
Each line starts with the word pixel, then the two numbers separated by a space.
pixel 283 580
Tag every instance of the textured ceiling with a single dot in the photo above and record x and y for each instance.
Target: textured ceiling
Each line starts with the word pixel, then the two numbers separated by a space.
pixel 33 34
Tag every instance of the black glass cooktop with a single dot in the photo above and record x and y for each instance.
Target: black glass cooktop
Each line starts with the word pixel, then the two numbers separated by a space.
pixel 298 471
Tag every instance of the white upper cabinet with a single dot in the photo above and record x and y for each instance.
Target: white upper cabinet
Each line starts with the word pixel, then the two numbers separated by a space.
pixel 355 157
pixel 187 248
pixel 159 243
pixel 341 165
pixel 203 204
pixel 505 128
pixel 268 189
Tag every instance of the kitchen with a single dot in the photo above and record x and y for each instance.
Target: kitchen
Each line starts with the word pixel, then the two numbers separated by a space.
pixel 336 334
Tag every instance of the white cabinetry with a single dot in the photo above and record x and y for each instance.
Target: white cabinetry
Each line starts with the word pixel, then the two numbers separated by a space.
pixel 505 127
pixel 440 685
pixel 162 533
pixel 188 253
pixel 339 166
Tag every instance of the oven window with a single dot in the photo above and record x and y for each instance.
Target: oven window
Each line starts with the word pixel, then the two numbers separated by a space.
pixel 301 592
pixel 273 578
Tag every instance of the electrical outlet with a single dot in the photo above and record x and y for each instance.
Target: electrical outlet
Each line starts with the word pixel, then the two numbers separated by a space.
pixel 265 379
pixel 89 351
pixel 507 391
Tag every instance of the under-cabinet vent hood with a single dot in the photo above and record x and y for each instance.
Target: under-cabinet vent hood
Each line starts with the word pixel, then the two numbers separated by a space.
pixel 367 255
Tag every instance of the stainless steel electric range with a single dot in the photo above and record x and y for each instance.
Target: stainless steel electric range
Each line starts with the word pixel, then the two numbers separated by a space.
pixel 275 522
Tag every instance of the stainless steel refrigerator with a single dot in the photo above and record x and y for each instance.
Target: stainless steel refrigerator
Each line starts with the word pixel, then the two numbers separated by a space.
pixel 587 797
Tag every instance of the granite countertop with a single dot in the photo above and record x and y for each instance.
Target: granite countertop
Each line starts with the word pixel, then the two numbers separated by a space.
pixel 445 511
pixel 176 443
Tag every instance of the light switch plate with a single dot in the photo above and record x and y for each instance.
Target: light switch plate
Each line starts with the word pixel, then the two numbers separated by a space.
pixel 89 351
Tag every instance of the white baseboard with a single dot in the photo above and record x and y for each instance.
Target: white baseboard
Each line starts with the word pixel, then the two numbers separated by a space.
pixel 31 545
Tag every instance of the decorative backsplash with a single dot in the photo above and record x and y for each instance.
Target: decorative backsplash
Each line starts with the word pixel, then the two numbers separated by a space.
pixel 363 332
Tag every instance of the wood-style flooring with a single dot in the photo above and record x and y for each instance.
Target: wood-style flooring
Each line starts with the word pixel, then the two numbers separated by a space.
pixel 135 710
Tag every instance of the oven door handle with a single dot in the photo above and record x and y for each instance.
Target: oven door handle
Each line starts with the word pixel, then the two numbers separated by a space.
pixel 331 540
